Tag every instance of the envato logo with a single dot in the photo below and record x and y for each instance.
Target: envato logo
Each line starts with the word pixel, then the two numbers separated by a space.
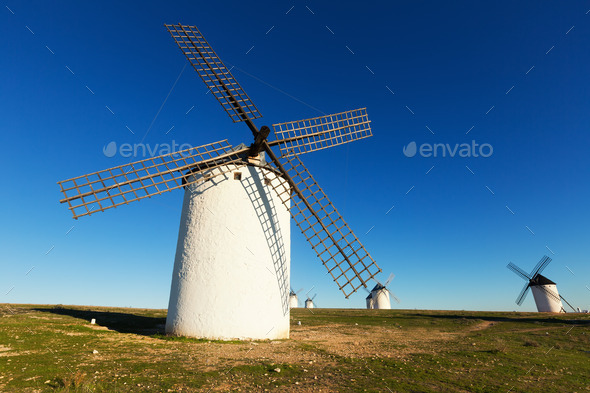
pixel 446 150
pixel 143 150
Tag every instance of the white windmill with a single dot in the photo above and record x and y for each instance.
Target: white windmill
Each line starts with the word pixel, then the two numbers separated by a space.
pixel 309 302
pixel 544 290
pixel 293 299
pixel 234 225
pixel 379 297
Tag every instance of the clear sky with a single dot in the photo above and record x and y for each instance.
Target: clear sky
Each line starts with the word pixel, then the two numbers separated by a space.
pixel 514 75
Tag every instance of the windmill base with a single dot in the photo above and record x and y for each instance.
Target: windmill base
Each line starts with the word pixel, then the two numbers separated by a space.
pixel 232 265
pixel 544 302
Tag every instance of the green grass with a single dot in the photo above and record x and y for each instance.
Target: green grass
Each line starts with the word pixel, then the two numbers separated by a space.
pixel 50 349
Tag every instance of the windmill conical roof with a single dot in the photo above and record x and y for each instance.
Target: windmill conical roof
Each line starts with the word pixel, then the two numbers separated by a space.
pixel 541 280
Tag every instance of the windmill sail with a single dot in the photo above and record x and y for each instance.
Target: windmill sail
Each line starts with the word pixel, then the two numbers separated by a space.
pixel 214 73
pixel 346 259
pixel 123 184
pixel 518 271
pixel 522 294
pixel 303 136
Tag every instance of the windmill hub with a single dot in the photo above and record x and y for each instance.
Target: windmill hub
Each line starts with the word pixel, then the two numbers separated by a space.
pixel 259 139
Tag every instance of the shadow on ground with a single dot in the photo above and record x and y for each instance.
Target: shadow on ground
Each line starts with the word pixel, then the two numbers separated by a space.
pixel 117 321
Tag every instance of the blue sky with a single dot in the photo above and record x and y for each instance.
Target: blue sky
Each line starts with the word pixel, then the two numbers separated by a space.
pixel 77 76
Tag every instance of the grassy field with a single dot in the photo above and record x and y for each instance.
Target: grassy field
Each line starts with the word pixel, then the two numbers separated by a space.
pixel 56 349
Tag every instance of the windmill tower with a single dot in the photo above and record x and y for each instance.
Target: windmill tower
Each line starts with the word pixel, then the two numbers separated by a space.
pixel 243 190
pixel 379 297
pixel 544 290
pixel 309 302
pixel 293 299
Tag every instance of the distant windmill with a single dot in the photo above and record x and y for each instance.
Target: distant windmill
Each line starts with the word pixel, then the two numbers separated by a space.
pixel 544 290
pixel 234 225
pixel 293 299
pixel 309 302
pixel 379 297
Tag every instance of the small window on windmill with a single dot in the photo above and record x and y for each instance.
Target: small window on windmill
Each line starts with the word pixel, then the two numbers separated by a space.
pixel 237 175
pixel 267 181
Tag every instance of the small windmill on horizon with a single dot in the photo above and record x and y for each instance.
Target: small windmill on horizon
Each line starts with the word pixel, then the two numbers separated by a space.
pixel 379 297
pixel 249 189
pixel 309 301
pixel 293 299
pixel 547 299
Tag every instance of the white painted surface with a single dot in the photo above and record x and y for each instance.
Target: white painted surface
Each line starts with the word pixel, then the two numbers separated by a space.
pixel 309 303
pixel 381 299
pixel 231 271
pixel 293 301
pixel 370 305
pixel 544 302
